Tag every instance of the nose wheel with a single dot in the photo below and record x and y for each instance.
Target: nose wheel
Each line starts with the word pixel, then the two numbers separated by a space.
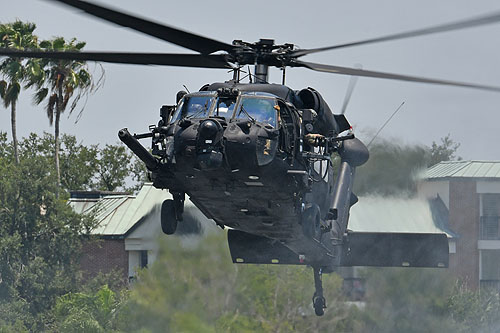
pixel 171 213
pixel 319 302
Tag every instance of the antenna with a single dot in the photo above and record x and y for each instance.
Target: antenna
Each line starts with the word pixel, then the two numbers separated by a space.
pixel 236 74
pixel 249 74
pixel 386 122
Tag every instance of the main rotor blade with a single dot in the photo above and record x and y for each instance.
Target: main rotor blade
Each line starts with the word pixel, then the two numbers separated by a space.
pixel 173 35
pixel 382 75
pixel 350 89
pixel 166 59
pixel 474 22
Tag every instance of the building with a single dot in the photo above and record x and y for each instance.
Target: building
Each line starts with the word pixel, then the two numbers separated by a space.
pixel 128 227
pixel 470 191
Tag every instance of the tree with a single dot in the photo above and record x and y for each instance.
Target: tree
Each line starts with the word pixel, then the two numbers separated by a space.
pixel 391 169
pixel 78 163
pixel 39 236
pixel 444 152
pixel 112 167
pixel 87 311
pixel 17 35
pixel 62 81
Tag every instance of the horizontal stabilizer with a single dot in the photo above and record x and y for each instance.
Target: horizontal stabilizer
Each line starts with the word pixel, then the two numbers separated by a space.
pixel 246 248
pixel 359 249
pixel 395 250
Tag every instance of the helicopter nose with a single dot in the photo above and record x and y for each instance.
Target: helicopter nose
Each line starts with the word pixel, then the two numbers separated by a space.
pixel 208 130
pixel 209 151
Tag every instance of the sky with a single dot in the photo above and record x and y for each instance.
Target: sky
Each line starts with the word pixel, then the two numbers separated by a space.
pixel 132 94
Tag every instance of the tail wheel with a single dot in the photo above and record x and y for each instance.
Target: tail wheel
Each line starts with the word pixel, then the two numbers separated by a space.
pixel 311 221
pixel 319 304
pixel 168 217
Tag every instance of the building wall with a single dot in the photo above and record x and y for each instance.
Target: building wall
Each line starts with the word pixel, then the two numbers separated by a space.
pixel 430 189
pixel 104 256
pixel 464 220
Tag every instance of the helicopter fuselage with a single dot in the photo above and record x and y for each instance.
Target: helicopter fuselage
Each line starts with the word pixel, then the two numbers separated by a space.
pixel 239 152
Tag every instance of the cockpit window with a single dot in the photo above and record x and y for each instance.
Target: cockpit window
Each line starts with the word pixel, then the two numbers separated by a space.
pixel 259 109
pixel 193 107
pixel 224 107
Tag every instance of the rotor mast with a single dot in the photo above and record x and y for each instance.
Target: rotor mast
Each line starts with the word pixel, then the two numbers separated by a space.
pixel 261 73
pixel 263 47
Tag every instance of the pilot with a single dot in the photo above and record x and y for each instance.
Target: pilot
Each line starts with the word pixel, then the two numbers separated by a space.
pixel 266 112
pixel 224 107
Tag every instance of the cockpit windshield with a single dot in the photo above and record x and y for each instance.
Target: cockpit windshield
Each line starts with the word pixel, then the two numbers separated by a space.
pixel 260 109
pixel 225 107
pixel 193 107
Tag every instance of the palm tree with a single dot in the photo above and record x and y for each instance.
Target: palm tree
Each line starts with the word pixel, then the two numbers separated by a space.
pixel 17 35
pixel 62 81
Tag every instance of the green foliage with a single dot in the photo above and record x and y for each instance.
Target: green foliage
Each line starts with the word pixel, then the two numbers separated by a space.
pixel 444 152
pixel 408 300
pixel 78 162
pixel 474 311
pixel 88 167
pixel 194 286
pixel 39 236
pixel 17 327
pixel 112 167
pixel 86 312
pixel 391 169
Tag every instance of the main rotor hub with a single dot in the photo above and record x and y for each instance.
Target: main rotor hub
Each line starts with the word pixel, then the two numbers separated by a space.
pixel 262 54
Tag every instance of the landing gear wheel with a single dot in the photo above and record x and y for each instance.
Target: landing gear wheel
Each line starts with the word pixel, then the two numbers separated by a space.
pixel 168 217
pixel 319 304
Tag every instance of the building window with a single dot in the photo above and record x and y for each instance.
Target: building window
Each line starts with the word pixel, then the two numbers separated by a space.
pixel 490 269
pixel 491 205
pixel 144 259
pixel 490 216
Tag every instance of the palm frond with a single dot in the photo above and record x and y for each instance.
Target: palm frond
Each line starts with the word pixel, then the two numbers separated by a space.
pixel 40 95
pixel 12 93
pixel 3 88
pixel 67 96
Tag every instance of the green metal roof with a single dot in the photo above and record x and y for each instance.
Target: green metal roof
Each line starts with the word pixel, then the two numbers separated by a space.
pixel 464 169
pixel 398 215
pixel 117 214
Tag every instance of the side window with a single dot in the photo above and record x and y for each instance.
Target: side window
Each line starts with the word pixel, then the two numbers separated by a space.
pixel 288 130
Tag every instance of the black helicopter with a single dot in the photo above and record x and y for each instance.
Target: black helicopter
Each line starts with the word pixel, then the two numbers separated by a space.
pixel 256 157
